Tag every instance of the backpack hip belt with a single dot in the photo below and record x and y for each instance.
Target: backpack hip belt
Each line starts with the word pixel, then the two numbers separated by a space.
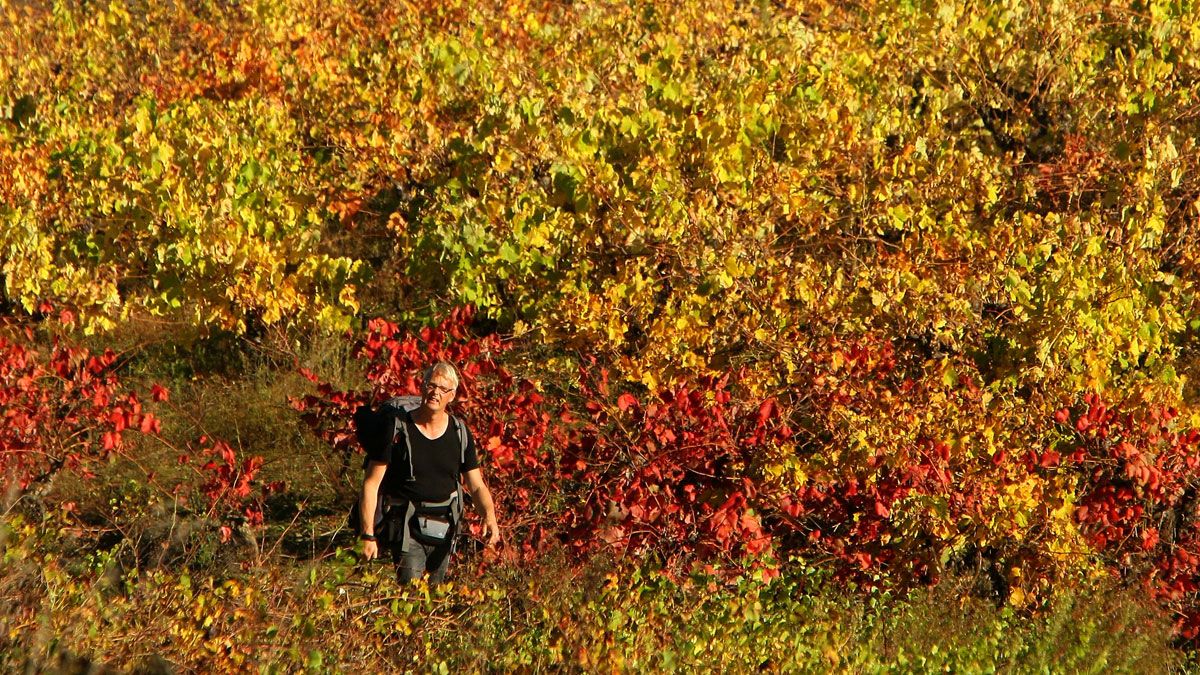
pixel 433 523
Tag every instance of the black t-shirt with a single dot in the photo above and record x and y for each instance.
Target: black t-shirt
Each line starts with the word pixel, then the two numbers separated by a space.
pixel 435 464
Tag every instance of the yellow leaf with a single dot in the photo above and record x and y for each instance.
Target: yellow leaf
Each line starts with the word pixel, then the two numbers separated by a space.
pixel 1016 597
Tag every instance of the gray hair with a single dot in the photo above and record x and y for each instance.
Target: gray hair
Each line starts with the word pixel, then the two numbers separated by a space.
pixel 443 368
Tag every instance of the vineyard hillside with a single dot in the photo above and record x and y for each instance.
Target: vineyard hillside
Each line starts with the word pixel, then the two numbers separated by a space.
pixel 794 335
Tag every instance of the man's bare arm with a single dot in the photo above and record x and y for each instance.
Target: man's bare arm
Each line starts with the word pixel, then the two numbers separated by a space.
pixel 368 501
pixel 483 501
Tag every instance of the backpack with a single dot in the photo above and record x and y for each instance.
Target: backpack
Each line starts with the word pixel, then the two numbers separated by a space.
pixel 375 430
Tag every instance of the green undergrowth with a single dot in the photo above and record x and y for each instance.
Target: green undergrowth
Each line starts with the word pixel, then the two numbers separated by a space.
pixel 337 614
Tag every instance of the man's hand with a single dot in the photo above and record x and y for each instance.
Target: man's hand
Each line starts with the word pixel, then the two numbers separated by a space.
pixel 491 533
pixel 370 550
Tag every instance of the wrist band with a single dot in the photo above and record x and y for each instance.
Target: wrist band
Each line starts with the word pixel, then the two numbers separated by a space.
pixel 367 537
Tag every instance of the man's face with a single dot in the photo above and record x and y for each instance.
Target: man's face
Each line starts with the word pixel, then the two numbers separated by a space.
pixel 438 393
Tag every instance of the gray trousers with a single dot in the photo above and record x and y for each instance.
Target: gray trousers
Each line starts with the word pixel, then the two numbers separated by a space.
pixel 414 559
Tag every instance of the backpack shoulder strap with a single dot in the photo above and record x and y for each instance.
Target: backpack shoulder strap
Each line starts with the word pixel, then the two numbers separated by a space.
pixel 401 429
pixel 461 430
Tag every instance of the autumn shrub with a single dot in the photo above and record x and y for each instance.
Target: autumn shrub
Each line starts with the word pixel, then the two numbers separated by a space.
pixel 79 442
pixel 732 186
pixel 64 408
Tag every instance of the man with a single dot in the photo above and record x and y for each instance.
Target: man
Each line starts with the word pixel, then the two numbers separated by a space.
pixel 421 507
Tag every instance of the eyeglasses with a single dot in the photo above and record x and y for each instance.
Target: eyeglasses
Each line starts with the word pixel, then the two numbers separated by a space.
pixel 433 386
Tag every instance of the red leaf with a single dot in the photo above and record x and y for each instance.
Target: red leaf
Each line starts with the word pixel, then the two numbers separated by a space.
pixel 766 411
pixel 254 515
pixel 626 401
pixel 1149 538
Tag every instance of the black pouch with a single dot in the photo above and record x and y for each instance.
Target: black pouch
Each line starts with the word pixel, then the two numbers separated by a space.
pixel 432 524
